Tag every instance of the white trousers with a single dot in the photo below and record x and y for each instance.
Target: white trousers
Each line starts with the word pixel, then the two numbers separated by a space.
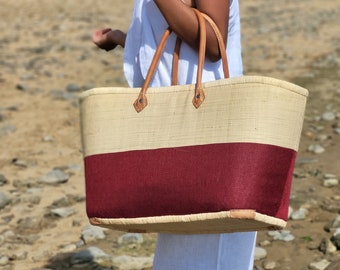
pixel 232 251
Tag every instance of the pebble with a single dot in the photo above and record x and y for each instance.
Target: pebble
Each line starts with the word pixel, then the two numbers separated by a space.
pixel 330 182
pixel 330 205
pixel 48 138
pixel 260 253
pixel 265 243
pixel 2 239
pixel 334 265
pixel 290 211
pixel 3 180
pixel 327 247
pixel 4 200
pixel 32 199
pixel 300 214
pixel 76 223
pixel 34 190
pixel 316 149
pixel 328 116
pixel 7 129
pixel 55 176
pixel 125 262
pixel 68 248
pixel 312 245
pixel 283 235
pixel 329 176
pixel 27 77
pixel 268 265
pixel 130 238
pixel 19 256
pixel 22 87
pixel 3 116
pixel 73 167
pixel 27 183
pixel 336 222
pixel 43 256
pixel 320 265
pixel 336 197
pixel 67 201
pixel 63 212
pixel 337 232
pixel 336 238
pixel 91 254
pixel 8 234
pixel 62 95
pixel 21 162
pixel 306 161
pixel 4 260
pixel 72 87
pixel 31 224
pixel 93 233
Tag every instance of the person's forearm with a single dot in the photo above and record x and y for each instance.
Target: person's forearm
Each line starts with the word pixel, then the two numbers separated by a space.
pixel 182 20
pixel 117 37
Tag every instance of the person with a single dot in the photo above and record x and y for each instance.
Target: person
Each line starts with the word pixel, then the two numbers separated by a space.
pixel 232 251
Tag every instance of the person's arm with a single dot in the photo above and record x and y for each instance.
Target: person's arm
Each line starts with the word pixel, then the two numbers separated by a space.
pixel 108 39
pixel 182 20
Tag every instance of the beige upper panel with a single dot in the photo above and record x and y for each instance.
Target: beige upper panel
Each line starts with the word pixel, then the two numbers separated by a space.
pixel 246 109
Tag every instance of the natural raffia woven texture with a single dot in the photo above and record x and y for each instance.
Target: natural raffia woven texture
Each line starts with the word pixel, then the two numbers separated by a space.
pixel 224 167
pixel 244 109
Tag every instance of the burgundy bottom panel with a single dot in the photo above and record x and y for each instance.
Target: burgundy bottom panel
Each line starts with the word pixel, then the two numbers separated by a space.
pixel 190 180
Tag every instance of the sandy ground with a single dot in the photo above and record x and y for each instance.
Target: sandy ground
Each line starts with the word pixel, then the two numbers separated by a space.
pixel 45 46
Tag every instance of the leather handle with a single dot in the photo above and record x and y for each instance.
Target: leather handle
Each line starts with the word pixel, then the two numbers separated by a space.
pixel 175 59
pixel 222 49
pixel 221 45
pixel 199 93
pixel 141 102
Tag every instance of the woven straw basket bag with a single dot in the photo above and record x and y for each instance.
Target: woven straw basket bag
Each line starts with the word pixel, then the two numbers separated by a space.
pixel 222 165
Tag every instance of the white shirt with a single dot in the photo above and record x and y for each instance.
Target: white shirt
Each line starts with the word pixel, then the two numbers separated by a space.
pixel 144 34
pixel 186 252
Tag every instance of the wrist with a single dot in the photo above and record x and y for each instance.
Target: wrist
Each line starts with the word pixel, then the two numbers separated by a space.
pixel 117 37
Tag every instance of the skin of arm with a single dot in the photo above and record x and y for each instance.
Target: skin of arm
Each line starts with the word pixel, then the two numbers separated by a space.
pixel 182 20
pixel 108 39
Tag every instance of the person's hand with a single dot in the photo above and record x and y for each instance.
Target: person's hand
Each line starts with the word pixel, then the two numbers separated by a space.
pixel 102 38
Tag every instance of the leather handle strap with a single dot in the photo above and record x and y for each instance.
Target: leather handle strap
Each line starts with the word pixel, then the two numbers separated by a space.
pixel 222 49
pixel 175 59
pixel 199 93
pixel 141 102
pixel 221 45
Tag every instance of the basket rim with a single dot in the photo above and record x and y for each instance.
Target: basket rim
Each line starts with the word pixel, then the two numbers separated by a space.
pixel 251 220
pixel 246 80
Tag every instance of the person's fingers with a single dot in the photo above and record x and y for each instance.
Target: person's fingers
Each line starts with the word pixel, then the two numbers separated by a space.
pixel 99 34
pixel 106 30
pixel 100 37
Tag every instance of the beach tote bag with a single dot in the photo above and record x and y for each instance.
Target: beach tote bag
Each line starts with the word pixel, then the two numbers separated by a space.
pixel 224 164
